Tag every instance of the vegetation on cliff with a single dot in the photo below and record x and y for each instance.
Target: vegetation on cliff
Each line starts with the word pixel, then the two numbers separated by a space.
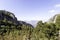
pixel 13 29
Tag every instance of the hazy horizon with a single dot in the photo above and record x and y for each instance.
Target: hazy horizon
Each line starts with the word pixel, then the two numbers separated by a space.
pixel 27 10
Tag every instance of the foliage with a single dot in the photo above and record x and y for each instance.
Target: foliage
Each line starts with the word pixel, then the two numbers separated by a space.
pixel 24 31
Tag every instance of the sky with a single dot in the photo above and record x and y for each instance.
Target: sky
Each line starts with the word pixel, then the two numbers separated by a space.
pixel 31 9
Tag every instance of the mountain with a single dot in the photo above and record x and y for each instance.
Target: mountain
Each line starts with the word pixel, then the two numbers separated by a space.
pixel 9 18
pixel 32 22
pixel 13 29
pixel 55 19
pixel 25 23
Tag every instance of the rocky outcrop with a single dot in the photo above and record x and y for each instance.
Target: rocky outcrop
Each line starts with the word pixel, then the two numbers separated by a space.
pixel 9 18
pixel 55 19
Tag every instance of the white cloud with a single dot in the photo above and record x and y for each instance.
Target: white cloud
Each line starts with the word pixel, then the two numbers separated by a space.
pixel 52 11
pixel 57 5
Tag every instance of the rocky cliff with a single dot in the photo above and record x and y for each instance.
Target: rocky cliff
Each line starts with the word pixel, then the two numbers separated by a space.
pixel 9 18
pixel 55 19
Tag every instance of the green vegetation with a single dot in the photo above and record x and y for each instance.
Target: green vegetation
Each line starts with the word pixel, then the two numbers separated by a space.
pixel 45 31
pixel 9 30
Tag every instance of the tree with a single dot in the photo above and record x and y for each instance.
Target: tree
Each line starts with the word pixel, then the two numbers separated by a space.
pixel 51 31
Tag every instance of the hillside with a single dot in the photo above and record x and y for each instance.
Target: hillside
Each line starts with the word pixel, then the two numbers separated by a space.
pixel 13 29
pixel 10 26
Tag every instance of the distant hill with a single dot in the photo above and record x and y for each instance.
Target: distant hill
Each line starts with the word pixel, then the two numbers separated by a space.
pixel 33 22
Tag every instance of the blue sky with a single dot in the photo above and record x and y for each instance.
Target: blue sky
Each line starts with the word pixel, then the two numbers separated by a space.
pixel 31 9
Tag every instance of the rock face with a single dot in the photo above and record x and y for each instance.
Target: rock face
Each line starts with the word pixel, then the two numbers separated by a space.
pixel 9 18
pixel 55 19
